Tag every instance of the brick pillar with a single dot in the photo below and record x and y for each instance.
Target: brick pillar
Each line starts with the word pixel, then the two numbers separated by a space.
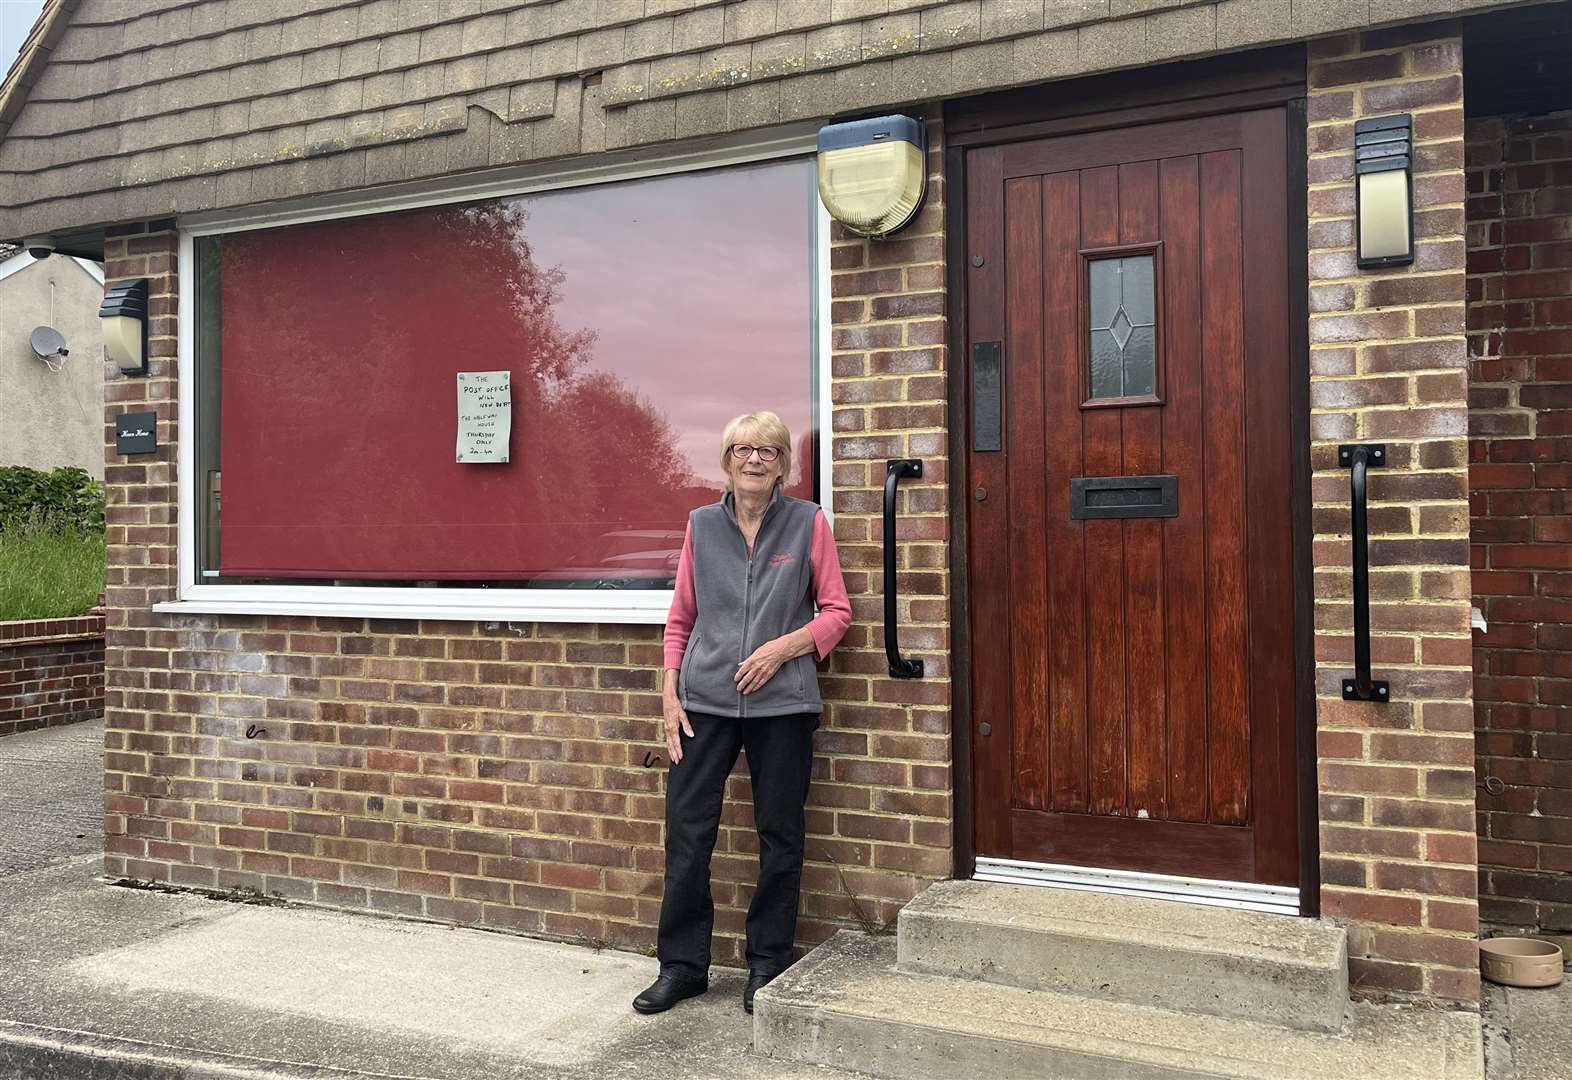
pixel 139 519
pixel 1520 426
pixel 1388 364
pixel 889 393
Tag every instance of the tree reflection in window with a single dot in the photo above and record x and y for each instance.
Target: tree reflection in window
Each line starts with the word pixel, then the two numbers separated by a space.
pixel 1122 296
pixel 635 319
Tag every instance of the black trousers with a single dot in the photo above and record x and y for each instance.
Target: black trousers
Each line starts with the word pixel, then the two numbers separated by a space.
pixel 780 759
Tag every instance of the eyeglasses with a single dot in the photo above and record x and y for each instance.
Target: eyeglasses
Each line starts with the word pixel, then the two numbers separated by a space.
pixel 742 451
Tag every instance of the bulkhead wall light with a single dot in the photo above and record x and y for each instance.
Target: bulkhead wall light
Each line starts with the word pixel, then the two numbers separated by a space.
pixel 872 173
pixel 124 313
pixel 1383 166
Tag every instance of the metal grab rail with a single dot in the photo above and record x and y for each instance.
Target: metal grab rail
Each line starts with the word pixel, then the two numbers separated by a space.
pixel 1358 458
pixel 900 667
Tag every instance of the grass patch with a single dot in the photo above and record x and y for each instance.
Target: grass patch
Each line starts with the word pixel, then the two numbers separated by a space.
pixel 49 573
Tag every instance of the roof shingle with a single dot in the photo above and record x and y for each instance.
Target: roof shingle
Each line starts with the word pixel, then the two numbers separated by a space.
pixel 121 111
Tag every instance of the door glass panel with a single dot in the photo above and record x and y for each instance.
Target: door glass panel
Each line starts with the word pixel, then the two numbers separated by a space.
pixel 1140 362
pixel 1140 299
pixel 1122 316
pixel 1104 291
pixel 1107 365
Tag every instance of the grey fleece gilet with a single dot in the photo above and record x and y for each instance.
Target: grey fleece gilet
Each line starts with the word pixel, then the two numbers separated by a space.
pixel 745 600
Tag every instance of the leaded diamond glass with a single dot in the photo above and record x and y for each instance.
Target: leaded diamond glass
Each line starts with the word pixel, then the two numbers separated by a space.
pixel 1120 329
pixel 1122 316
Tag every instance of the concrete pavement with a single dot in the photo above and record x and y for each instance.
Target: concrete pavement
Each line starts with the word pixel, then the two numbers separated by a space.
pixel 51 796
pixel 100 982
pixel 1529 1032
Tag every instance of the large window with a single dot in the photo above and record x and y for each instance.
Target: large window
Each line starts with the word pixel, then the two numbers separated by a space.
pixel 633 318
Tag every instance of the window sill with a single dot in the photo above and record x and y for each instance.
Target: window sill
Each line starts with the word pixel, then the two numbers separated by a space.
pixel 615 607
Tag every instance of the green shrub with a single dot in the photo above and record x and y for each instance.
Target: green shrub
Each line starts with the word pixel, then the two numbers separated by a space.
pixel 50 573
pixel 63 500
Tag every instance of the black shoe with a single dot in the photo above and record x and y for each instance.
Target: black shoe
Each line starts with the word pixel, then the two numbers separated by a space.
pixel 756 979
pixel 666 991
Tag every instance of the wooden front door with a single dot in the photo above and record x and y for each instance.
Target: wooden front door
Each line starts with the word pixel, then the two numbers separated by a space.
pixel 1130 491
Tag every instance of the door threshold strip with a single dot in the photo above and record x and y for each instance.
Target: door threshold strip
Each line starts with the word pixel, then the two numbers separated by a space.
pixel 1250 896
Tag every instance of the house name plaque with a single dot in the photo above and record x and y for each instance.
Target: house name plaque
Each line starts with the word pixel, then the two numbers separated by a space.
pixel 136 433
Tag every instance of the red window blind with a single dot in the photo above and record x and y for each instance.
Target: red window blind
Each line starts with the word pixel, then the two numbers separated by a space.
pixel 635 320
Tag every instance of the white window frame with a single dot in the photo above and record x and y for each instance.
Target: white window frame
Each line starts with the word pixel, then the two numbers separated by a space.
pixel 610 606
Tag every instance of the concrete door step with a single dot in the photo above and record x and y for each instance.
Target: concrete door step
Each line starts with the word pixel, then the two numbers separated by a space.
pixel 1219 961
pixel 847 1005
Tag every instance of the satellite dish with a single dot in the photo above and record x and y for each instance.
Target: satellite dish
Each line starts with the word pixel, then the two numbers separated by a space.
pixel 48 343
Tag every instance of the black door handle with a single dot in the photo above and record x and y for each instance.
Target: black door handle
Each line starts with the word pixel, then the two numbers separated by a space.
pixel 900 666
pixel 1358 458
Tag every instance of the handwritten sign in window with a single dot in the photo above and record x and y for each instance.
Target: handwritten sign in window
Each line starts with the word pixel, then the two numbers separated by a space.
pixel 485 416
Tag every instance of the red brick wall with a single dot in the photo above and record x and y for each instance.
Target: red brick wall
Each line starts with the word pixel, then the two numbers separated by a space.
pixel 1387 365
pixel 51 672
pixel 1520 346
pixel 495 774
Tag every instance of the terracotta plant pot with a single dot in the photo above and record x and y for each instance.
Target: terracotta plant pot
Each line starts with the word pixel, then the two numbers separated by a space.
pixel 1520 961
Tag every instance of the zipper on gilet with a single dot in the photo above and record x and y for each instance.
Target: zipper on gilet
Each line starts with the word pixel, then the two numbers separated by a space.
pixel 747 595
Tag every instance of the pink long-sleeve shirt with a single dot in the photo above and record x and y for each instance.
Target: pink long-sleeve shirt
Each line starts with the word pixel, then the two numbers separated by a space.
pixel 829 595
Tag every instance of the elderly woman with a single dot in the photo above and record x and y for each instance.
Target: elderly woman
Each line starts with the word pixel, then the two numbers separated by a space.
pixel 741 641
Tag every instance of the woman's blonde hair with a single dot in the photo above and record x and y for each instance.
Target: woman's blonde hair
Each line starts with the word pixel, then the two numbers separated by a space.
pixel 762 429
